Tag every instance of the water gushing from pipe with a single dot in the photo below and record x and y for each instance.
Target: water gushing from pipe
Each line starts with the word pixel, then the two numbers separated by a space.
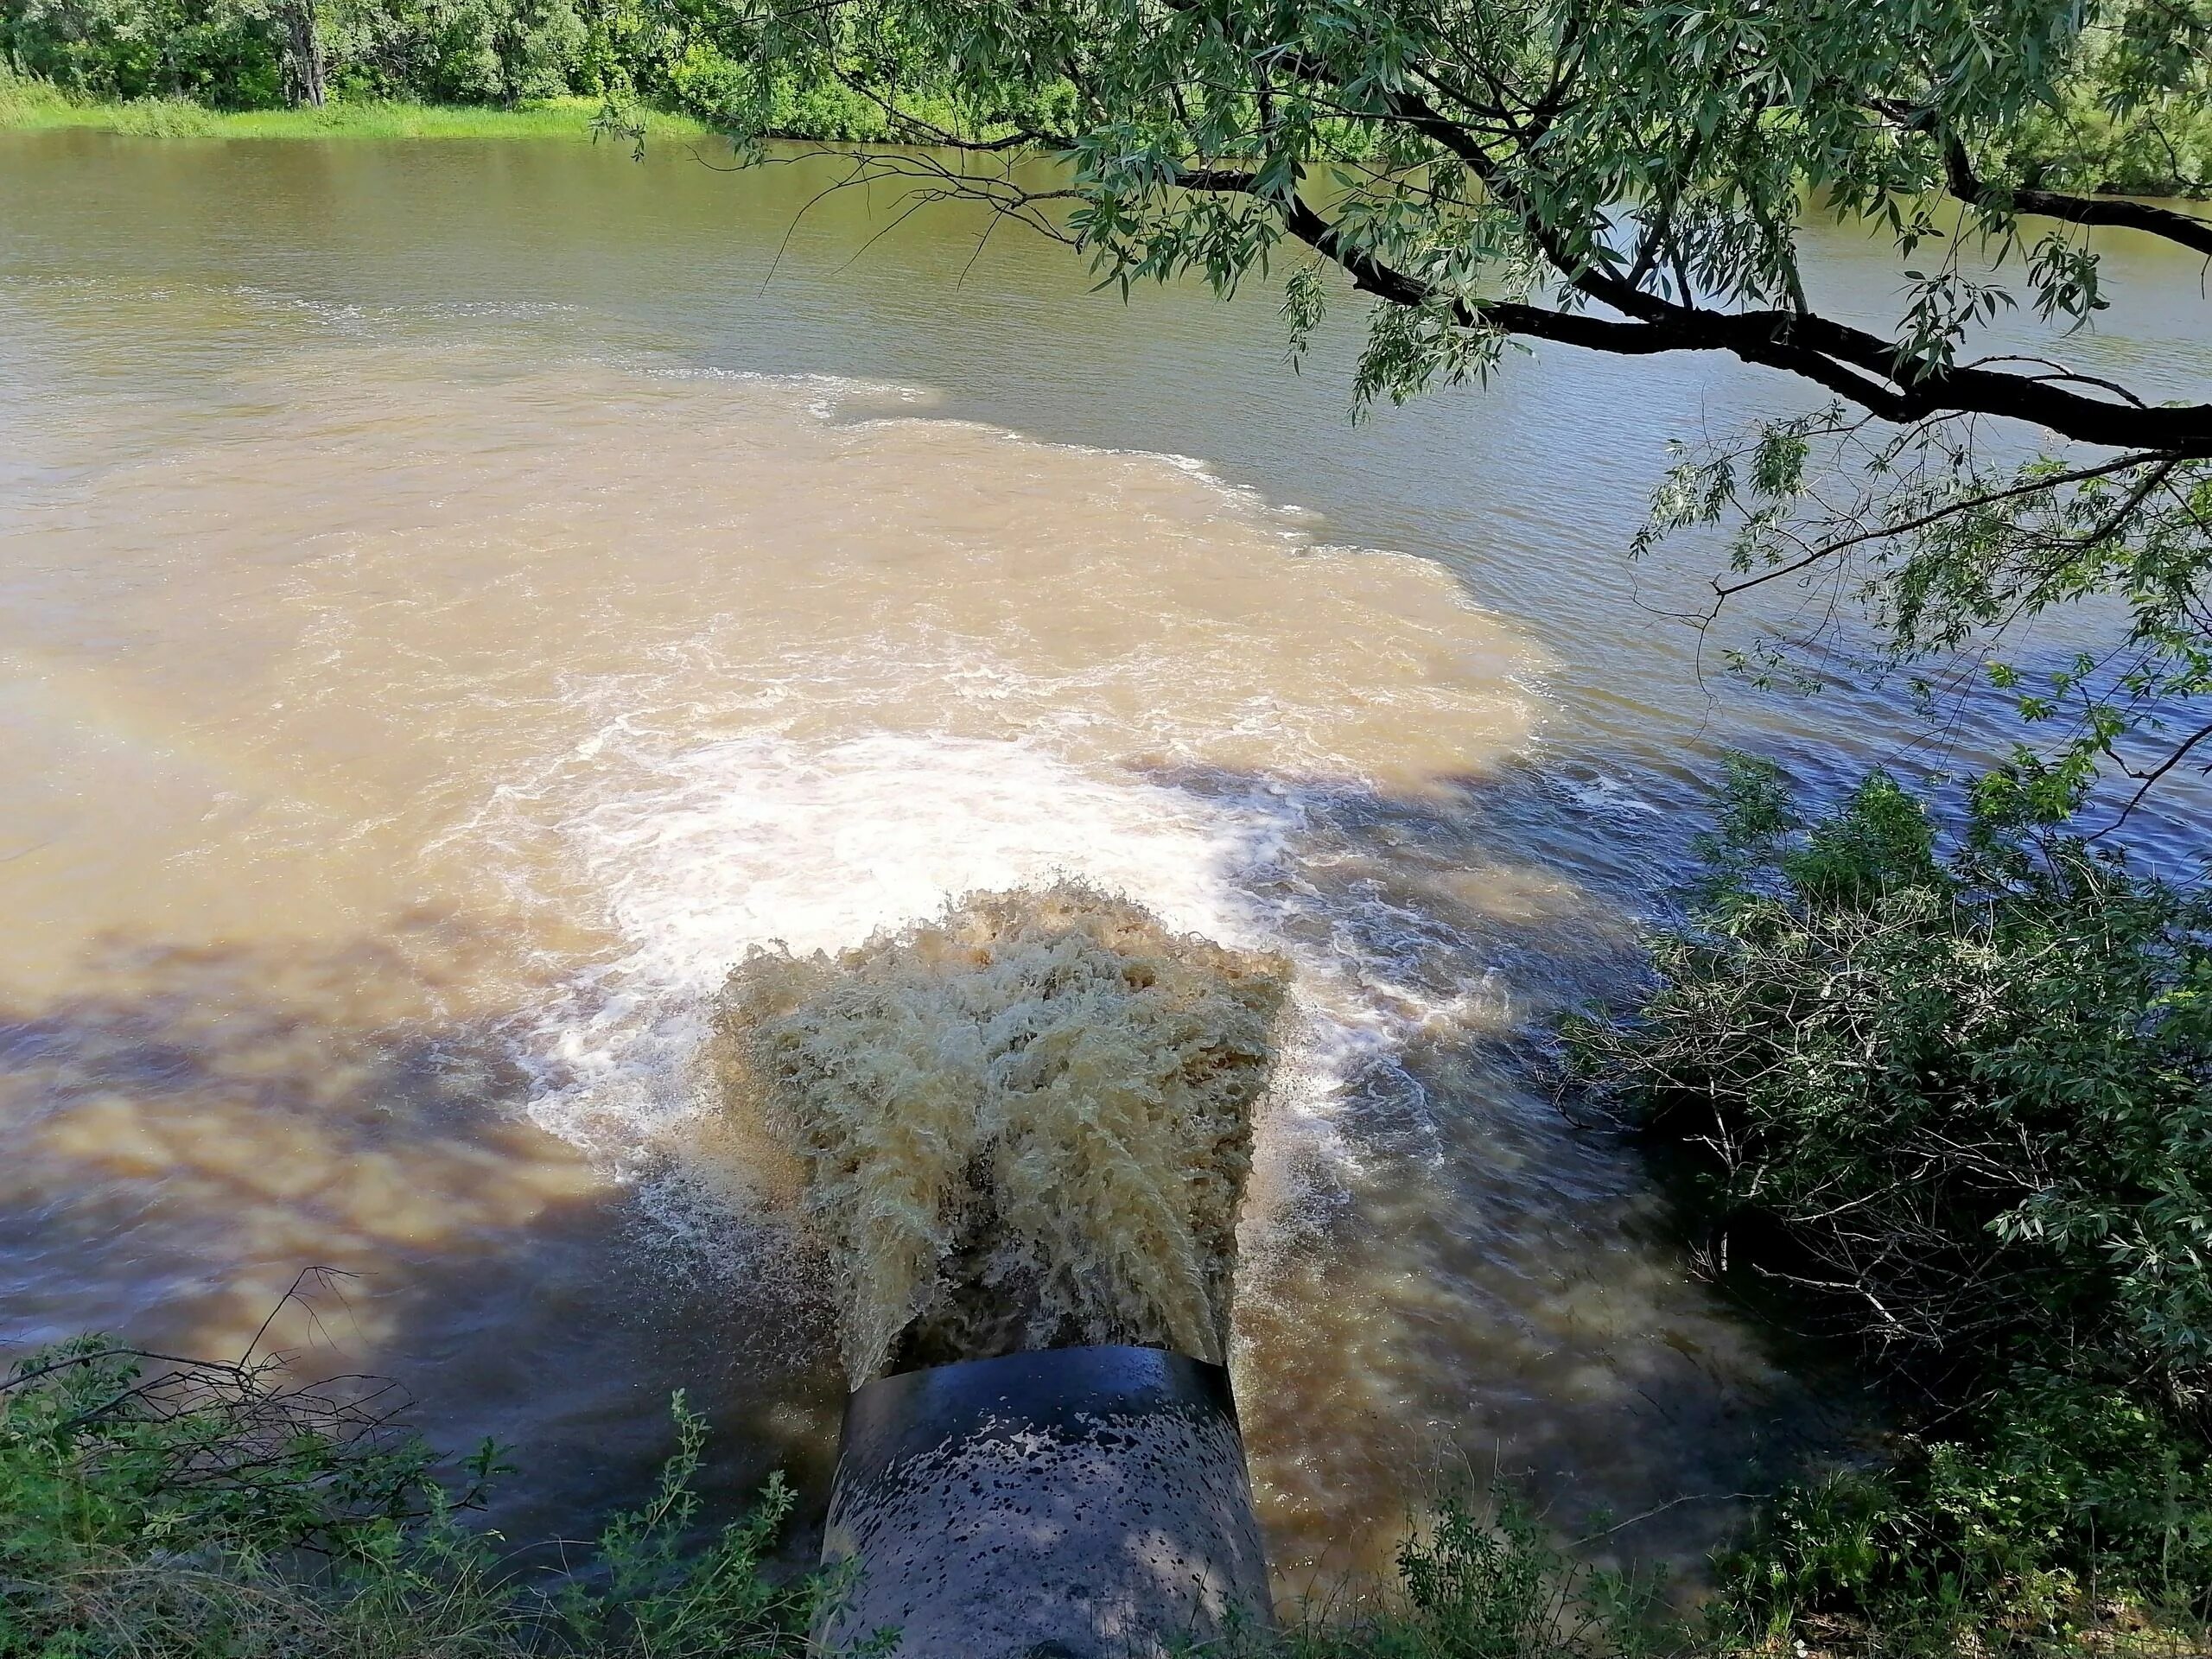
pixel 1024 1124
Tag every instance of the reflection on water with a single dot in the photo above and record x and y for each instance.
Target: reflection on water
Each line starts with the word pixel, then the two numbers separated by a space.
pixel 177 1145
pixel 451 615
pixel 211 1112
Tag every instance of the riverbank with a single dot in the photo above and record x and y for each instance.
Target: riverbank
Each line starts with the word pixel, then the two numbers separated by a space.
pixel 36 107
pixel 2044 1498
pixel 227 1511
pixel 823 114
pixel 1949 1096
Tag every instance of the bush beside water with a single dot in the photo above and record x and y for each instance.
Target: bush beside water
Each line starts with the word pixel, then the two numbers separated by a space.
pixel 1957 1101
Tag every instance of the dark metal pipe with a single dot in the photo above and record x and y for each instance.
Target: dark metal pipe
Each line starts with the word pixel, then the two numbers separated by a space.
pixel 1073 1504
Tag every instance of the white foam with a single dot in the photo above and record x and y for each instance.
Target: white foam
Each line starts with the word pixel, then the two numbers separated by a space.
pixel 703 852
pixel 1600 792
pixel 828 397
pixel 695 848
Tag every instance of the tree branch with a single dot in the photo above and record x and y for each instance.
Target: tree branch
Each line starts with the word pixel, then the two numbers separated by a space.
pixel 1855 364
pixel 1867 369
pixel 2186 229
pixel 1883 532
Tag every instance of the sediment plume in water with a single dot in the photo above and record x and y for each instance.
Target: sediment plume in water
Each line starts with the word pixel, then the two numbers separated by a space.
pixel 1025 1124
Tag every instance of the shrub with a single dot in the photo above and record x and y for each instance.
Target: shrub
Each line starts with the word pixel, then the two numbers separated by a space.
pixel 1975 1089
pixel 1959 1094
pixel 1472 1586
pixel 225 54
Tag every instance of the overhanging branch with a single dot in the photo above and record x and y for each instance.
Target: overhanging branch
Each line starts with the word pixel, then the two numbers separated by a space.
pixel 1866 369
pixel 1854 365
pixel 2186 229
pixel 1860 366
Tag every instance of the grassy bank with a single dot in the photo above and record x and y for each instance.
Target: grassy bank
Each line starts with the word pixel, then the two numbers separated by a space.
pixel 2085 149
pixel 826 113
pixel 34 106
pixel 212 1511
pixel 225 1512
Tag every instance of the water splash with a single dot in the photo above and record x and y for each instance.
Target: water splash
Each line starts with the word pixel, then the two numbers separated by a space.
pixel 1026 1123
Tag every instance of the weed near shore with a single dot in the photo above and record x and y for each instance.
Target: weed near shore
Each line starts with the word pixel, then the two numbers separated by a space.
pixel 28 105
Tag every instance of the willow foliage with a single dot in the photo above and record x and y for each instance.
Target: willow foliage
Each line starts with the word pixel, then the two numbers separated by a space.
pixel 1634 176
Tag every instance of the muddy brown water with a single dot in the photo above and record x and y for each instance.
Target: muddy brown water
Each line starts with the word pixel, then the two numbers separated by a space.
pixel 458 597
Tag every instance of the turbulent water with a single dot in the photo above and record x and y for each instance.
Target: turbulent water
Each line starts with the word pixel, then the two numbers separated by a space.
pixel 458 602
pixel 1026 1123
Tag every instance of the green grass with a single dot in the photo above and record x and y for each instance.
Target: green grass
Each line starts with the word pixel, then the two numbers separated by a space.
pixel 34 106
pixel 153 1510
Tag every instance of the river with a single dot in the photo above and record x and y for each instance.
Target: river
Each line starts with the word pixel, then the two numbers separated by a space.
pixel 459 597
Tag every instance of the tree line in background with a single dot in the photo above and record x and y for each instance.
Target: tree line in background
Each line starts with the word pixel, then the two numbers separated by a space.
pixel 701 58
pixel 252 54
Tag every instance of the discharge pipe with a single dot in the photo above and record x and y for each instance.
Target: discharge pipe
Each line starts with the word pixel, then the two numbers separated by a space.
pixel 1066 1504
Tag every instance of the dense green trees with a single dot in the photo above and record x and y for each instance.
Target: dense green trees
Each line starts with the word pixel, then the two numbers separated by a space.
pixel 264 53
pixel 244 55
pixel 224 52
pixel 455 51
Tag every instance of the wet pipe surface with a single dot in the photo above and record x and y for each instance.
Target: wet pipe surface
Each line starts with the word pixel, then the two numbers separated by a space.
pixel 1072 1502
